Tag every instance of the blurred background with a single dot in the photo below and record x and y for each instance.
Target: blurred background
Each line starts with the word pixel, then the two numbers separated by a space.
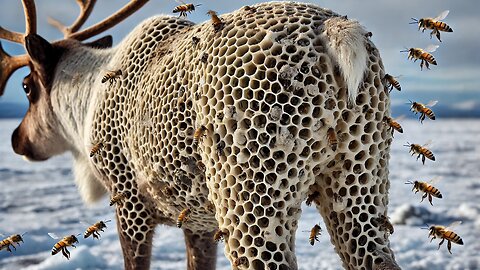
pixel 41 197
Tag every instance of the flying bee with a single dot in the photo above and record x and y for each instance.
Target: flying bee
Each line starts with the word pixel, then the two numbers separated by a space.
pixel 11 241
pixel 427 188
pixel 118 198
pixel 384 224
pixel 62 245
pixel 95 229
pixel 434 23
pixel 314 233
pixel 332 138
pixel 96 148
pixel 219 236
pixel 111 76
pixel 392 82
pixel 445 233
pixel 198 134
pixel 422 54
pixel 184 8
pixel 216 21
pixel 312 198
pixel 424 110
pixel 183 217
pixel 420 150
pixel 392 124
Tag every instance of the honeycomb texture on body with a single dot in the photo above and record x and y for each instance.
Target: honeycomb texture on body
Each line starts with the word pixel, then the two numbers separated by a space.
pixel 267 90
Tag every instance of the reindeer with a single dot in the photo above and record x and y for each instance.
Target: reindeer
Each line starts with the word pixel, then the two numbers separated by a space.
pixel 256 163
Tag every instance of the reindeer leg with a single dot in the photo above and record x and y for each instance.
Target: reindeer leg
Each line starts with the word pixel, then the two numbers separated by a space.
pixel 136 245
pixel 201 250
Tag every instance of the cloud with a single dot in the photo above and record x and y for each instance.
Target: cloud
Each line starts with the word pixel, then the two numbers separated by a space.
pixel 458 57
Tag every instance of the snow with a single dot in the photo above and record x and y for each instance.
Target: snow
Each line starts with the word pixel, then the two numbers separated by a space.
pixel 39 198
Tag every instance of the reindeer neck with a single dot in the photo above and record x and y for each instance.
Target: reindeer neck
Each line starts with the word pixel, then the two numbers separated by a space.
pixel 74 91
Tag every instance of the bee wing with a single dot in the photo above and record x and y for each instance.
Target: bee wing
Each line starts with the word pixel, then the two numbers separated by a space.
pixel 453 225
pixel 400 118
pixel 53 235
pixel 431 48
pixel 180 2
pixel 435 180
pixel 442 15
pixel 85 223
pixel 432 103
pixel 2 235
pixel 428 143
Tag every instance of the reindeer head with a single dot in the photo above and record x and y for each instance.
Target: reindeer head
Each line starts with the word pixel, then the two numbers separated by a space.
pixel 38 137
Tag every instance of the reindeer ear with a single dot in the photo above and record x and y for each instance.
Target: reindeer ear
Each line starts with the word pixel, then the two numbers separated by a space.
pixel 101 43
pixel 39 50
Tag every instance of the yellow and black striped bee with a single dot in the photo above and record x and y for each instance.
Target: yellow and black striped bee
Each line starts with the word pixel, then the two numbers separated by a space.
pixel 111 76
pixel 199 133
pixel 62 245
pixel 11 241
pixel 434 23
pixel 183 217
pixel 216 21
pixel 384 224
pixel 184 8
pixel 312 198
pixel 427 189
pixel 392 82
pixel 96 149
pixel 423 54
pixel 392 124
pixel 118 198
pixel 332 138
pixel 314 233
pixel 95 229
pixel 420 150
pixel 445 233
pixel 424 110
pixel 219 236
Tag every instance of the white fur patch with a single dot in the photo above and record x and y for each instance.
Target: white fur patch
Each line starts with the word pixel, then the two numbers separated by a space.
pixel 89 187
pixel 346 45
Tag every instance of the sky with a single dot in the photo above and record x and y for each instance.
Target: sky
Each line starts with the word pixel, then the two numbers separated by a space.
pixel 456 79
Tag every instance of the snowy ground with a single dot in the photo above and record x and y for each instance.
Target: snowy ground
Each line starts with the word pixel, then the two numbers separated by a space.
pixel 40 197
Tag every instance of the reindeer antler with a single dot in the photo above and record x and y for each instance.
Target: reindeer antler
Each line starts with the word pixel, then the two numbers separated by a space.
pixel 86 7
pixel 9 64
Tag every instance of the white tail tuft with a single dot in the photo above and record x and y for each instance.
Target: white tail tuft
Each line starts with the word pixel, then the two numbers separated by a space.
pixel 346 45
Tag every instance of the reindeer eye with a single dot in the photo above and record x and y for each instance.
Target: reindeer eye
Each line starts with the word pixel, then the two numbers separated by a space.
pixel 26 89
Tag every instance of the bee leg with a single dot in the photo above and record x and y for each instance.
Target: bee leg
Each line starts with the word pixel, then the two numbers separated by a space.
pixel 8 248
pixel 441 242
pixel 423 197
pixel 65 254
pixel 430 199
pixel 423 159
pixel 449 246
pixel 438 36
pixel 427 65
